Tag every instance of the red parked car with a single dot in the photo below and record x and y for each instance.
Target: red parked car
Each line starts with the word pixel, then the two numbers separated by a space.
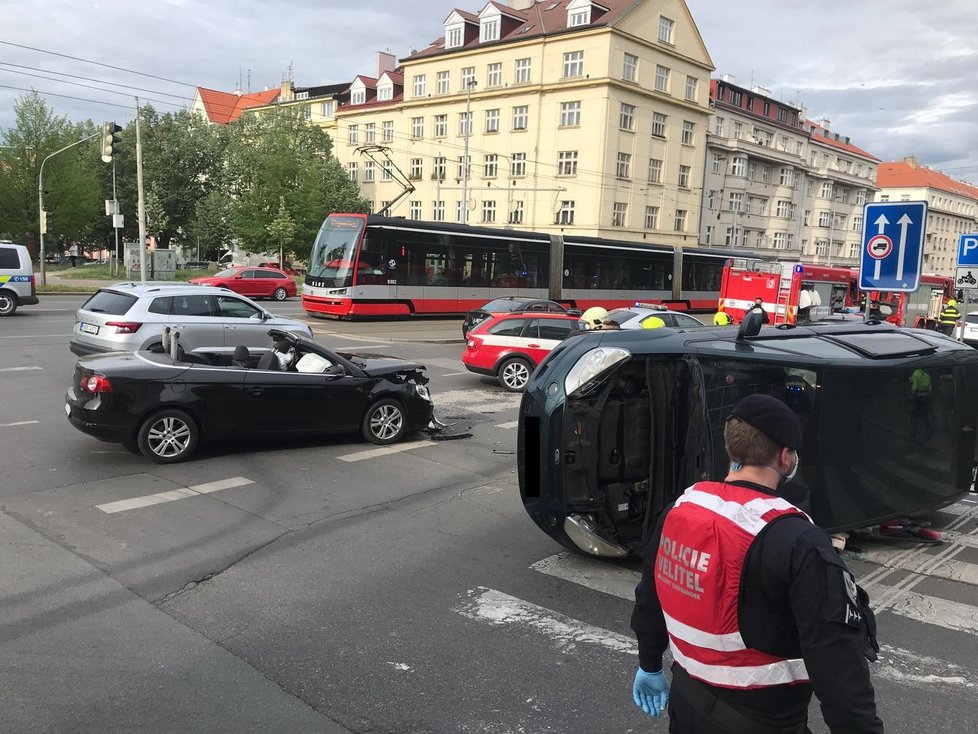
pixel 510 346
pixel 252 282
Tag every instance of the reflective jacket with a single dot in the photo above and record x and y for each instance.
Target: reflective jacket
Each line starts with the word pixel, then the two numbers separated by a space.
pixel 698 569
pixel 949 316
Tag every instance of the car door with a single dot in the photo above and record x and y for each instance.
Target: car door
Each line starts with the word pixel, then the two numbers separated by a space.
pixel 551 333
pixel 262 284
pixel 195 317
pixel 243 323
pixel 248 284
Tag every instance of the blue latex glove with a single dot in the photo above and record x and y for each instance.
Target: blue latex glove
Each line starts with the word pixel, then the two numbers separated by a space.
pixel 650 692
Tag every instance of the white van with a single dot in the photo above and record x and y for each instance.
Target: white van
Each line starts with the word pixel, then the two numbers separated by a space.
pixel 16 278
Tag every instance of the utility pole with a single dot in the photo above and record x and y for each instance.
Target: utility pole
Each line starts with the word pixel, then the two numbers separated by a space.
pixel 141 206
pixel 115 228
pixel 42 221
pixel 465 155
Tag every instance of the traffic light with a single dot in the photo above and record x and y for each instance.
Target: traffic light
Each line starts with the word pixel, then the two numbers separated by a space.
pixel 111 137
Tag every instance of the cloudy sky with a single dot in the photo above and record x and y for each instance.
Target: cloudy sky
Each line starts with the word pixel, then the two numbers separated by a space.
pixel 899 77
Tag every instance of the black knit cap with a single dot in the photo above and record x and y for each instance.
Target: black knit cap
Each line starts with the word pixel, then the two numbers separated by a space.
pixel 771 417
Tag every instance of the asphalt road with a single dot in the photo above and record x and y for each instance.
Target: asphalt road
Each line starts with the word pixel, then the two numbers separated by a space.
pixel 331 587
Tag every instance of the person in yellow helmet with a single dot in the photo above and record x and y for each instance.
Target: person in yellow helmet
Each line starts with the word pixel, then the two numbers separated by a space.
pixel 722 318
pixel 594 317
pixel 652 322
pixel 949 317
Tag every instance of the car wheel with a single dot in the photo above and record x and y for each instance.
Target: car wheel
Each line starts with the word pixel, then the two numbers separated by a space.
pixel 514 373
pixel 384 422
pixel 8 304
pixel 168 437
pixel 280 294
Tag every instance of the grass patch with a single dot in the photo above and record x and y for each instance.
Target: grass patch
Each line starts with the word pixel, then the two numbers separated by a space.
pixel 102 272
pixel 60 288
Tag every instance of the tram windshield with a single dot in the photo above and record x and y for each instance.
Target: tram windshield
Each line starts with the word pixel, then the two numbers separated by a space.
pixel 335 250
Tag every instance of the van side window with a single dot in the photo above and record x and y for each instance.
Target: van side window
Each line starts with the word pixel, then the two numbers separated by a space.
pixel 161 305
pixel 9 258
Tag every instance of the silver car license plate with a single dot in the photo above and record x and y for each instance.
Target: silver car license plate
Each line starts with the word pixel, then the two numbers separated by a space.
pixel 88 328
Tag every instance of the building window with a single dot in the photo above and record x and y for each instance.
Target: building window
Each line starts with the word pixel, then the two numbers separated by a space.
pixel 619 211
pixel 387 131
pixel 629 69
pixel 414 210
pixel 780 241
pixel 626 116
pixel 854 249
pixel 661 78
pixel 494 75
pixel 807 218
pixel 370 132
pixel 489 212
pixel 492 121
pixel 565 215
pixel 438 211
pixel 441 126
pixel 709 234
pixel 738 166
pixel 351 169
pixel 368 171
pixel 491 165
pixel 692 85
pixel 573 64
pixel 717 164
pixel 711 201
pixel 824 219
pixel 521 117
pixel 651 217
pixel 861 196
pixel 358 96
pixel 688 128
pixel 570 114
pixel 787 176
pixel 489 28
pixel 468 77
pixel 416 169
pixel 684 172
pixel 736 98
pixel 623 169
pixel 442 82
pixel 655 170
pixel 681 216
pixel 460 211
pixel 440 168
pixel 516 215
pixel 665 29
pixel 579 18
pixel 523 71
pixel 784 209
pixel 567 163
pixel 328 109
pixel 417 127
pixel 821 247
pixel 385 93
pixel 353 134
pixel 386 171
pixel 465 123
pixel 658 124
pixel 419 85
pixel 517 165
pixel 464 167
pixel 857 223
pixel 735 202
pixel 454 37
pixel 718 127
pixel 826 191
pixel 765 173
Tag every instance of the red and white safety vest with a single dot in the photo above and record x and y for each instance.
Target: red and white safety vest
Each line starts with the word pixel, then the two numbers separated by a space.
pixel 698 568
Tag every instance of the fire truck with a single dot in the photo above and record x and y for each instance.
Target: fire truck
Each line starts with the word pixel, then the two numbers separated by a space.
pixel 795 292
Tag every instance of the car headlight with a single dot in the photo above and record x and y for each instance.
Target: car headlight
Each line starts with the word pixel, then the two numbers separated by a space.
pixel 422 392
pixel 592 365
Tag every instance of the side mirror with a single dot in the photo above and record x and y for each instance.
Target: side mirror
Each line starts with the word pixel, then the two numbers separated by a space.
pixel 237 277
pixel 336 370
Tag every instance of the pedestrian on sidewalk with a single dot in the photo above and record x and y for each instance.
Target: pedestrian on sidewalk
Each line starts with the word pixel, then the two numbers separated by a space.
pixel 73 253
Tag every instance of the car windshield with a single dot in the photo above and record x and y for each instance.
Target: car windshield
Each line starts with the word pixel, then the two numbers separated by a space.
pixel 110 302
pixel 335 249
pixel 502 305
pixel 226 273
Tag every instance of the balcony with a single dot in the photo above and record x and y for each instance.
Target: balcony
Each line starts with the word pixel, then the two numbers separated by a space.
pixel 754 149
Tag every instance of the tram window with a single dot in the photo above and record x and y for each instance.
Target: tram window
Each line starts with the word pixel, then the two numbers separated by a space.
pixel 701 275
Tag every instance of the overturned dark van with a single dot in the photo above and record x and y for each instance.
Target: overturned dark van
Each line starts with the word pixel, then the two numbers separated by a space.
pixel 615 425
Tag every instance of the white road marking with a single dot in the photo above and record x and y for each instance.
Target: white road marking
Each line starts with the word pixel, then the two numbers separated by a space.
pixel 497 608
pixel 443 362
pixel 19 369
pixel 34 336
pixel 338 335
pixel 384 450
pixel 456 374
pixel 18 423
pixel 172 495
pixel 904 666
pixel 511 424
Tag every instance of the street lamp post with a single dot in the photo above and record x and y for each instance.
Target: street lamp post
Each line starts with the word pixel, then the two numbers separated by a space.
pixel 465 154
pixel 40 203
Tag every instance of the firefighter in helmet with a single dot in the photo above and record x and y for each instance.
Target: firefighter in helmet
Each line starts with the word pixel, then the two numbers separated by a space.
pixel 594 317
pixel 722 318
pixel 949 317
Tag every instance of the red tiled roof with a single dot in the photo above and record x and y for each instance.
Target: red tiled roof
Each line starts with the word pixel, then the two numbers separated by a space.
pixel 546 17
pixel 225 107
pixel 819 136
pixel 901 174
pixel 506 10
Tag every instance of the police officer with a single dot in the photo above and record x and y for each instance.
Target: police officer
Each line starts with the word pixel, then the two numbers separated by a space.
pixel 757 607
pixel 949 317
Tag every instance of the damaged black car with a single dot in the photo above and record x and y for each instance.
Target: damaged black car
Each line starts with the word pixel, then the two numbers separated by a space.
pixel 615 425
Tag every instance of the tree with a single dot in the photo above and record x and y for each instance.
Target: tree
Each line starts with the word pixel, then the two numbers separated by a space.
pixel 210 228
pixel 282 229
pixel 277 154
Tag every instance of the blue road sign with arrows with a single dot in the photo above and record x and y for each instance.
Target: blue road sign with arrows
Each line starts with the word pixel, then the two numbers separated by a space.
pixel 893 245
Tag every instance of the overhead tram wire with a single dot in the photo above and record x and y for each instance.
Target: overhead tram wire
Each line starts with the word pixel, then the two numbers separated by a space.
pixel 185 103
pixel 90 79
pixel 67 96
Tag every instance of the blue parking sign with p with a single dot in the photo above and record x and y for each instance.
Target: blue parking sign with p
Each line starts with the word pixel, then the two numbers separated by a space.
pixel 968 250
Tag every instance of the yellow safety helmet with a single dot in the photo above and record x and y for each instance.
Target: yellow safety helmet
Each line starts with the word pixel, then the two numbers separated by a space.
pixel 952 303
pixel 594 317
pixel 652 322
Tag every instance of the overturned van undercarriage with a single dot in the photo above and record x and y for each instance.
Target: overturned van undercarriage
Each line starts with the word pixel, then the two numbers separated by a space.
pixel 614 426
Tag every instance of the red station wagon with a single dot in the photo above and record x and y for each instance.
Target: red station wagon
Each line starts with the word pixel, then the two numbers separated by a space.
pixel 510 346
pixel 252 282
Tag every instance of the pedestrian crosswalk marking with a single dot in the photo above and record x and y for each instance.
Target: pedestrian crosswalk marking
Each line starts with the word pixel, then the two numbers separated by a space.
pixel 172 495
pixel 384 450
